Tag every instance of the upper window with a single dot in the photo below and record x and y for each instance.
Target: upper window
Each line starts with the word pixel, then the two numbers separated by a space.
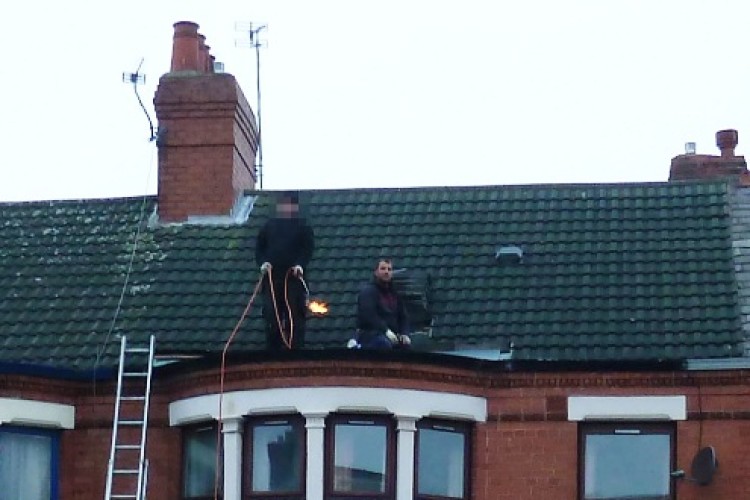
pixel 275 457
pixel 442 459
pixel 626 460
pixel 28 464
pixel 199 458
pixel 360 456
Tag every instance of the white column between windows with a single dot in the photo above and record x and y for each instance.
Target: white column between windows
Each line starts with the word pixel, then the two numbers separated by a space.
pixel 315 423
pixel 231 429
pixel 405 457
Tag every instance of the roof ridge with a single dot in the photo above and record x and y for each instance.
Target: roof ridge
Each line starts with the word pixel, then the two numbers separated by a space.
pixel 503 186
pixel 71 201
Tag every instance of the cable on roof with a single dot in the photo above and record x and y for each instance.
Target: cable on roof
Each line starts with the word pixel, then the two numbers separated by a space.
pixel 131 259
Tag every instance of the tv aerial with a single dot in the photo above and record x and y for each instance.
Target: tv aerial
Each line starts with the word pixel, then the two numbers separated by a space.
pixel 253 41
pixel 136 79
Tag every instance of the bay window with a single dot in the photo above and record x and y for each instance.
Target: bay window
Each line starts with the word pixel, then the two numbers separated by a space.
pixel 333 443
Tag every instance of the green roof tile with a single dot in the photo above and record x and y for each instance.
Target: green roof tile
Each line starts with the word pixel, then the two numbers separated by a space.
pixel 621 271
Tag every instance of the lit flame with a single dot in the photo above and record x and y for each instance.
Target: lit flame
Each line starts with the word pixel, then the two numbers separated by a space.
pixel 318 307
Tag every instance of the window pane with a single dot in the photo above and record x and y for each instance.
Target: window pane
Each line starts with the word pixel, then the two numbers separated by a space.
pixel 360 458
pixel 25 461
pixel 199 462
pixel 627 465
pixel 440 463
pixel 277 458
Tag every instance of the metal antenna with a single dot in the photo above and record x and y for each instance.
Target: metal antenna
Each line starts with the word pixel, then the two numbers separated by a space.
pixel 255 42
pixel 135 79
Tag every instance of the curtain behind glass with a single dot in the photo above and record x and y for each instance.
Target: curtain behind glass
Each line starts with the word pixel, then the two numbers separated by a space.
pixel 441 463
pixel 277 459
pixel 200 462
pixel 25 466
pixel 360 458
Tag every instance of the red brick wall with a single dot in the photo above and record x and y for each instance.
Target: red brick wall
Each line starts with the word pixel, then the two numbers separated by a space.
pixel 526 450
pixel 207 150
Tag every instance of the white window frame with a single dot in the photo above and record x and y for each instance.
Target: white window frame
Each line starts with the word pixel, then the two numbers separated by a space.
pixel 315 403
pixel 627 408
pixel 32 413
pixel 614 409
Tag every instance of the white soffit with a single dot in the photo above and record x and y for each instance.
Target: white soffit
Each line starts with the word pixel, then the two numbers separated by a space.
pixel 36 413
pixel 627 408
pixel 324 400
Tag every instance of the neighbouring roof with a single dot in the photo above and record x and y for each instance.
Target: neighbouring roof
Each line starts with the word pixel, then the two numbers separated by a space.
pixel 609 272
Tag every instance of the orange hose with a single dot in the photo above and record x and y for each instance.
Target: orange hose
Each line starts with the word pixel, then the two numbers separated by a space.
pixel 287 342
pixel 221 382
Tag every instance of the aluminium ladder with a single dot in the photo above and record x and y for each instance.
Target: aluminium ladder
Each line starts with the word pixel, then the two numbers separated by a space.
pixel 127 471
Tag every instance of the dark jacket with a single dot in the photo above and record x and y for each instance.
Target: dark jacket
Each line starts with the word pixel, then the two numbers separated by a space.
pixel 284 243
pixel 379 309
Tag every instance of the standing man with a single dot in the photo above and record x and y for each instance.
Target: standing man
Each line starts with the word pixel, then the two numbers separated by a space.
pixel 283 248
pixel 381 317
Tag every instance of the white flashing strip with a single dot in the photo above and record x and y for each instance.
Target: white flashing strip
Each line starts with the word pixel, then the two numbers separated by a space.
pixel 36 413
pixel 324 400
pixel 627 408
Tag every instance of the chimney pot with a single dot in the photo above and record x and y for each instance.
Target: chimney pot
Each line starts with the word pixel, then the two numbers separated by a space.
pixel 185 47
pixel 202 53
pixel 727 140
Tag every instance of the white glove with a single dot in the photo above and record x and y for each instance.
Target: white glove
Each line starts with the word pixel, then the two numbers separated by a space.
pixel 404 339
pixel 298 271
pixel 265 267
pixel 391 336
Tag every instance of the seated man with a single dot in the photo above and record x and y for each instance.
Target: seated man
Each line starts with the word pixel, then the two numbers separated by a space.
pixel 381 317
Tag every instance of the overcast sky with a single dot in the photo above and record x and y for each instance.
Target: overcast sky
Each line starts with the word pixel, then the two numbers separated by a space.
pixel 386 93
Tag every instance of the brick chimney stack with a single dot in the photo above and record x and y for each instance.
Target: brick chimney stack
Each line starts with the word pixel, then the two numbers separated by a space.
pixel 207 134
pixel 727 165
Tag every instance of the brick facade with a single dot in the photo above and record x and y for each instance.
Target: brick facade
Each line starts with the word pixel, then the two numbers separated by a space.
pixel 527 449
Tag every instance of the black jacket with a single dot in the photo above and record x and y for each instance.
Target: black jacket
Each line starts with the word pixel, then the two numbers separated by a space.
pixel 379 309
pixel 284 243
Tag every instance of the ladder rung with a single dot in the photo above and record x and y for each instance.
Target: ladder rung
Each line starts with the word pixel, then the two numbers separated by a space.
pixel 123 496
pixel 128 447
pixel 131 422
pixel 133 398
pixel 135 374
pixel 137 349
pixel 125 471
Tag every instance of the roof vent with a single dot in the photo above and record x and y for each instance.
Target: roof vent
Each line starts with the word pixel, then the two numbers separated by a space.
pixel 218 67
pixel 509 253
pixel 689 148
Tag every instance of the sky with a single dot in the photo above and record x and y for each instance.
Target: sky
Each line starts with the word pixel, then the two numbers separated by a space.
pixel 380 94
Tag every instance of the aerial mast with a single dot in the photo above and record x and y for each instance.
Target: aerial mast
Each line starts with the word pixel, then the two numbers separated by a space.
pixel 254 41
pixel 136 79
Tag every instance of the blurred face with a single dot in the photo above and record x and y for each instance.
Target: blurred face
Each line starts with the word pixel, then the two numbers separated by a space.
pixel 384 271
pixel 286 208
